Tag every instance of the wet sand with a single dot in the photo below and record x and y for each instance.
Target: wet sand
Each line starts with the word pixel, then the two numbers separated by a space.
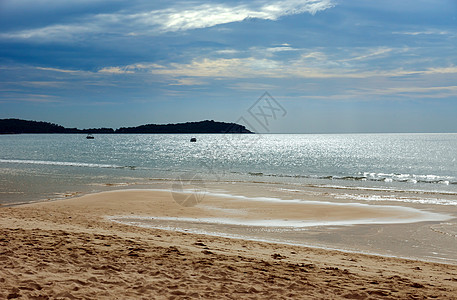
pixel 71 249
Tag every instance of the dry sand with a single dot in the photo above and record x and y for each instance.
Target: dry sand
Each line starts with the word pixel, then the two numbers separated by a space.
pixel 68 249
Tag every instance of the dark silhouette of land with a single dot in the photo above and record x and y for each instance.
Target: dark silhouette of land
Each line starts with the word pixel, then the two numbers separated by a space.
pixel 190 127
pixel 15 126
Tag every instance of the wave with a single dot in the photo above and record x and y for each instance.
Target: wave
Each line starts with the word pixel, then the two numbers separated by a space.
pixel 412 178
pixel 370 176
pixel 64 163
pixel 372 198
pixel 382 189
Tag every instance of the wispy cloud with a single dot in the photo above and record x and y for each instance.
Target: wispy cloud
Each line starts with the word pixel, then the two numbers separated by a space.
pixel 116 70
pixel 130 69
pixel 391 93
pixel 187 81
pixel 222 68
pixel 40 83
pixel 281 49
pixel 413 91
pixel 55 32
pixel 57 70
pixel 228 51
pixel 54 84
pixel 441 70
pixel 426 32
pixel 35 98
pixel 207 15
pixel 179 17
pixel 252 67
pixel 375 53
pixel 418 91
pixel 253 86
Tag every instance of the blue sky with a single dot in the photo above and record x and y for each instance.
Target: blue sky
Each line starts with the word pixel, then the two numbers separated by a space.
pixel 333 65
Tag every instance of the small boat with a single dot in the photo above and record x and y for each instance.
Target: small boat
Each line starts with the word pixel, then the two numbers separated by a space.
pixel 193 139
pixel 90 137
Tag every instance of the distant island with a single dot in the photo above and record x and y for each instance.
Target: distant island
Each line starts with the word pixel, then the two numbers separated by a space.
pixel 17 126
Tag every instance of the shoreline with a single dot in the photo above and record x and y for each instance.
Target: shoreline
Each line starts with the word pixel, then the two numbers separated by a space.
pixel 345 224
pixel 67 249
pixel 308 246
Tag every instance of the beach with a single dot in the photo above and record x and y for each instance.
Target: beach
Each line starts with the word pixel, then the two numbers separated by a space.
pixel 96 246
pixel 249 216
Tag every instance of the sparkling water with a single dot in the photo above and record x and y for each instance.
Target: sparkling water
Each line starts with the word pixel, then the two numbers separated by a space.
pixel 38 166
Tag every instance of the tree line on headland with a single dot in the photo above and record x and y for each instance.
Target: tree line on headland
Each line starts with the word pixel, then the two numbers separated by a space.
pixel 16 126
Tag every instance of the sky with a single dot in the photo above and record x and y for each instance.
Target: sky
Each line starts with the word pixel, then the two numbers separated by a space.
pixel 284 66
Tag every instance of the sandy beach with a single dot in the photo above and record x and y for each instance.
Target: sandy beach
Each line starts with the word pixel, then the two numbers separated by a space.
pixel 69 249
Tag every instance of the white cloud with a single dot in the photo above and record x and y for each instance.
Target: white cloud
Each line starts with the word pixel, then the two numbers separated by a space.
pixel 441 70
pixel 239 68
pixel 371 54
pixel 310 65
pixel 56 70
pixel 220 68
pixel 426 32
pixel 253 86
pixel 314 55
pixel 179 17
pixel 228 51
pixel 52 32
pixel 425 89
pixel 413 91
pixel 207 15
pixel 187 81
pixel 281 49
pixel 410 92
pixel 54 84
pixel 129 69
pixel 36 98
pixel 115 70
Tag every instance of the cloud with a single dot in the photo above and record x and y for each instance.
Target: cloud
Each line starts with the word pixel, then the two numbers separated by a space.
pixel 115 70
pixel 228 51
pixel 247 86
pixel 371 54
pixel 187 81
pixel 228 68
pixel 180 17
pixel 312 64
pixel 442 70
pixel 221 68
pixel 56 70
pixel 208 15
pixel 419 90
pixel 129 69
pixel 54 84
pixel 55 32
pixel 427 32
pixel 391 93
pixel 35 98
pixel 413 91
pixel 281 49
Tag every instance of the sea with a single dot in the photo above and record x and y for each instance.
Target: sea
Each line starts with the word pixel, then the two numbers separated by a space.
pixel 43 166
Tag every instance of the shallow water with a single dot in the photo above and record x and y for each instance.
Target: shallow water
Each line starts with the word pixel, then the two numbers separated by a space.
pixel 254 212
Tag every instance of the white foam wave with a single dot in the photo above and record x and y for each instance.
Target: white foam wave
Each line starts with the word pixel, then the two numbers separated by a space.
pixel 435 201
pixel 411 178
pixel 381 189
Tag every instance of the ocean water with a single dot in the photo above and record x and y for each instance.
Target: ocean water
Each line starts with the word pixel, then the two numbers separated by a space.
pixel 46 166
